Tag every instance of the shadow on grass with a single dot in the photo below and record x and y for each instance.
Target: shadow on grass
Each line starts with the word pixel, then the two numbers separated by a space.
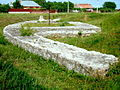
pixel 12 78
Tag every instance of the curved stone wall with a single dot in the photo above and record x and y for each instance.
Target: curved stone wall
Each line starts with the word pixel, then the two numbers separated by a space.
pixel 80 60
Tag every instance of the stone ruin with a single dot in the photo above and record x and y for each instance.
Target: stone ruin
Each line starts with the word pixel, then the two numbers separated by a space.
pixel 41 19
pixel 90 63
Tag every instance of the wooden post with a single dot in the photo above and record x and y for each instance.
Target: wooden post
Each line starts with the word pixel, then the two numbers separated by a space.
pixel 49 15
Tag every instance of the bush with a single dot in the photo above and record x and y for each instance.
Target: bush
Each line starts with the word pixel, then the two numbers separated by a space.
pixel 106 10
pixel 4 8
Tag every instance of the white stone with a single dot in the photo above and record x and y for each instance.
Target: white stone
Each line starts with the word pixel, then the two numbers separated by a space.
pixel 41 19
pixel 74 58
pixel 58 19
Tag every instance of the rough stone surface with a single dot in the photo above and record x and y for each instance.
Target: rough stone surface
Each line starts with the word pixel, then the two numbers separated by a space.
pixel 80 60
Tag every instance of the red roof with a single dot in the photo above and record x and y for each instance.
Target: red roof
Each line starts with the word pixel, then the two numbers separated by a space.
pixel 83 6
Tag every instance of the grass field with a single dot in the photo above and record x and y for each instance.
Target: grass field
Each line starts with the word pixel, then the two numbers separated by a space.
pixel 20 69
pixel 47 25
pixel 107 41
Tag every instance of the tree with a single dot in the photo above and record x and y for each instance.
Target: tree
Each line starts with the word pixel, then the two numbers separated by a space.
pixel 71 5
pixel 59 6
pixel 48 5
pixel 17 4
pixel 4 8
pixel 40 2
pixel 110 5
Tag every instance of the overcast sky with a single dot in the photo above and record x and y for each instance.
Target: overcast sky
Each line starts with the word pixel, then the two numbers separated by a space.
pixel 93 2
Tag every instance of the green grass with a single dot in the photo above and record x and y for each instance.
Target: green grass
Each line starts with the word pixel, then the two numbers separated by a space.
pixel 26 31
pixel 20 69
pixel 47 25
pixel 107 41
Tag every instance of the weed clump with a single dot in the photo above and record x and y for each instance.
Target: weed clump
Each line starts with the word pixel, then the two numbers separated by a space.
pixel 64 24
pixel 80 33
pixel 26 31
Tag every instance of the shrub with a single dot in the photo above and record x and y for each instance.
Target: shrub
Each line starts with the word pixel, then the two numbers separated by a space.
pixel 106 10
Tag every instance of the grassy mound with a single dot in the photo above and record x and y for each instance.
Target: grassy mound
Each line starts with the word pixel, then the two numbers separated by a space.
pixel 20 69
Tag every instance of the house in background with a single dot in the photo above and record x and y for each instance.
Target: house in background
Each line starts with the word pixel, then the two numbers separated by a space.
pixel 88 7
pixel 27 4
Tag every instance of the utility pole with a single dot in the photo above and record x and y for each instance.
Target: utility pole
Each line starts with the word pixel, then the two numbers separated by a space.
pixel 68 8
pixel 49 15
pixel 97 6
pixel 49 11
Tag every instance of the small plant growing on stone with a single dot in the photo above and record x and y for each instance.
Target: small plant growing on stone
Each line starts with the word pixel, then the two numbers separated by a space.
pixel 38 22
pixel 64 24
pixel 41 22
pixel 80 33
pixel 26 31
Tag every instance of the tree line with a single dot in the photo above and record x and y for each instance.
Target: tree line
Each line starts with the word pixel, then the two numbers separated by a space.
pixel 108 7
pixel 59 6
pixel 4 8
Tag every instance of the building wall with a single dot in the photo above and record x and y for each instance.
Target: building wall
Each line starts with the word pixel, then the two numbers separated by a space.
pixel 30 11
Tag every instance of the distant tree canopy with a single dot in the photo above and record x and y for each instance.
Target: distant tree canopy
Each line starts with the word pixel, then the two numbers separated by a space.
pixel 59 6
pixel 110 5
pixel 40 2
pixel 17 4
pixel 4 8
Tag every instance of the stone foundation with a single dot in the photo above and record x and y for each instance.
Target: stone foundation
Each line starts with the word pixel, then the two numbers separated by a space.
pixel 80 60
